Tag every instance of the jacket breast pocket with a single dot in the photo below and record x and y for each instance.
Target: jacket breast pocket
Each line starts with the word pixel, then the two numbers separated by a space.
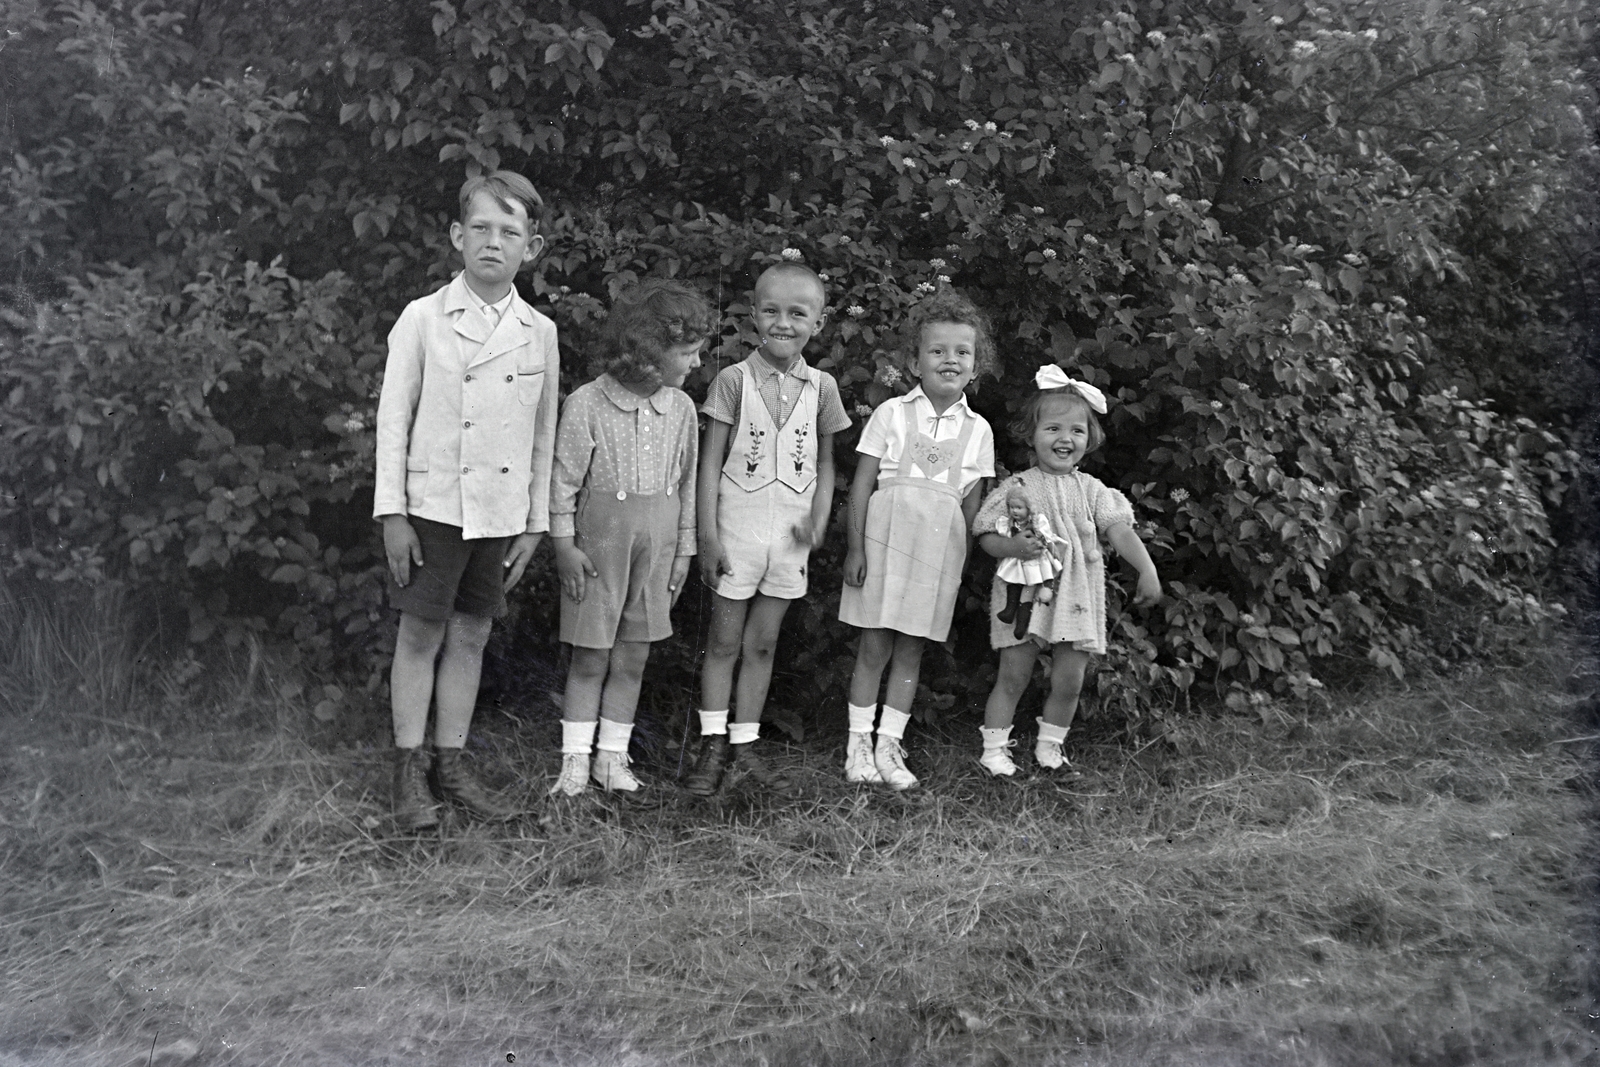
pixel 416 480
pixel 530 380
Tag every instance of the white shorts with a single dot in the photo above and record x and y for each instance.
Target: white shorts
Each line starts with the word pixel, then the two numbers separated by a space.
pixel 756 530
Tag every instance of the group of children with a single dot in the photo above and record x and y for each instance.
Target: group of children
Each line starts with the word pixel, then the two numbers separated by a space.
pixel 472 471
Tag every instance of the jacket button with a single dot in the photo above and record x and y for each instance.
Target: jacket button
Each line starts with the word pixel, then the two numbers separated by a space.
pixel 508 377
pixel 465 470
pixel 469 377
pixel 505 470
pixel 467 425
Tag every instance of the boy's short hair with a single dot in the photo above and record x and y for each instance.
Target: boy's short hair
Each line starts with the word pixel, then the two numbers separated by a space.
pixel 647 319
pixel 950 305
pixel 508 188
pixel 1027 417
pixel 795 270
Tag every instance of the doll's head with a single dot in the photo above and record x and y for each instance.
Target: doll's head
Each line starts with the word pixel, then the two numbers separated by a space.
pixel 1018 508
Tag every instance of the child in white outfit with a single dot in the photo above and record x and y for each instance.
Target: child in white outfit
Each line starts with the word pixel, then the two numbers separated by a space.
pixel 923 459
pixel 766 488
pixel 1059 423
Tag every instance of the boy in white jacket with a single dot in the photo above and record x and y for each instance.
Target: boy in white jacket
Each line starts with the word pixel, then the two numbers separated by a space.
pixel 465 436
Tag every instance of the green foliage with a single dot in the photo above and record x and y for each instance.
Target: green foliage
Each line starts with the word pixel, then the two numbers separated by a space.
pixel 1326 260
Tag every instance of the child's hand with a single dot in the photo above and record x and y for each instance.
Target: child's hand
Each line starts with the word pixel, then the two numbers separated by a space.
pixel 680 574
pixel 1149 590
pixel 518 556
pixel 713 563
pixel 855 567
pixel 1028 545
pixel 803 534
pixel 573 565
pixel 401 548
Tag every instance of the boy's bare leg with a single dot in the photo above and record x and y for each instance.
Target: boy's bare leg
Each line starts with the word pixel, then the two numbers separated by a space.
pixel 455 693
pixel 411 677
pixel 455 685
pixel 760 641
pixel 722 652
pixel 410 693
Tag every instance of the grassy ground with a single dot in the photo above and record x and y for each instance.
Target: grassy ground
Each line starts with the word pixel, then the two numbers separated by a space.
pixel 1402 878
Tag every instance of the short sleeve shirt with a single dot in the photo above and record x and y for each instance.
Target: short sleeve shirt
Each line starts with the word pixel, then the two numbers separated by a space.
pixel 779 390
pixel 885 436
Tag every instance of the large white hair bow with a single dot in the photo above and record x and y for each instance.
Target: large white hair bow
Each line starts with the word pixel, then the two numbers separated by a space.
pixel 1051 376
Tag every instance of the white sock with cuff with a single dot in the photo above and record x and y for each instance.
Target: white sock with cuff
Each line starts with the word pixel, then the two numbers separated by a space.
pixel 862 717
pixel 893 723
pixel 577 738
pixel 614 736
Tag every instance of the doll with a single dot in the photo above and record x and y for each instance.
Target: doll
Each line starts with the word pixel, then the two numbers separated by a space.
pixel 1028 581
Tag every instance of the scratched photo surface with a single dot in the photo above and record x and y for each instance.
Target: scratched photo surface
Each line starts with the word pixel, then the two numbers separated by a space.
pixel 704 533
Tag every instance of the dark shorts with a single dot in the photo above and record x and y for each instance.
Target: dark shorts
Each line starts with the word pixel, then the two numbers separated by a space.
pixel 457 575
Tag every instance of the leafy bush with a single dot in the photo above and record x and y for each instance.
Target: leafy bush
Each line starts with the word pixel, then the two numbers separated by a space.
pixel 1280 237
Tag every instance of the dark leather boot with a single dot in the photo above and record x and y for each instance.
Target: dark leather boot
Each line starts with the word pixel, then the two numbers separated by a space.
pixel 706 774
pixel 456 782
pixel 746 764
pixel 413 805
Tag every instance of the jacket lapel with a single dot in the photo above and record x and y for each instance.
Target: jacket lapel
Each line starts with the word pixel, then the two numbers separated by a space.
pixel 509 334
pixel 465 318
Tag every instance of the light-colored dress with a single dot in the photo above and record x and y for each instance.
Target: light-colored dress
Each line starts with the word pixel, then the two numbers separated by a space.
pixel 915 532
pixel 1038 570
pixel 1081 508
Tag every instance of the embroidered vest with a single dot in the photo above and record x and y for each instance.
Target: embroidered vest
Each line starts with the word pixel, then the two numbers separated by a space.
pixel 763 452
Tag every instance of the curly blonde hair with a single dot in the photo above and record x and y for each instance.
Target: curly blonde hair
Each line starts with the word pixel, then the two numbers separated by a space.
pixel 950 305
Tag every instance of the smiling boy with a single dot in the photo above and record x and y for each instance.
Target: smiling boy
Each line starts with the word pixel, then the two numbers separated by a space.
pixel 465 437
pixel 765 491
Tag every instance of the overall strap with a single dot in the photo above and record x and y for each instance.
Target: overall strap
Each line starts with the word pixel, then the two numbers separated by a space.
pixel 954 474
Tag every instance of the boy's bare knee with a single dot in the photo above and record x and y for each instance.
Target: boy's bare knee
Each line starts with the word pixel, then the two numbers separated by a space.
pixel 418 638
pixel 469 633
pixel 721 646
pixel 759 646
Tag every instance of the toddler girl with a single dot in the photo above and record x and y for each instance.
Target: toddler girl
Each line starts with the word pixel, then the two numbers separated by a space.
pixel 1059 423
pixel 1028 581
pixel 923 458
pixel 622 519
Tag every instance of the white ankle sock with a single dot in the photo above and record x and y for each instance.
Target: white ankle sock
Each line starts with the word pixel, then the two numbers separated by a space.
pixel 713 722
pixel 1052 734
pixel 892 723
pixel 861 718
pixel 577 738
pixel 742 733
pixel 614 736
pixel 994 737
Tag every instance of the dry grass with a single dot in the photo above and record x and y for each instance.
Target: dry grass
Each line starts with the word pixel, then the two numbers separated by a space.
pixel 1402 879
